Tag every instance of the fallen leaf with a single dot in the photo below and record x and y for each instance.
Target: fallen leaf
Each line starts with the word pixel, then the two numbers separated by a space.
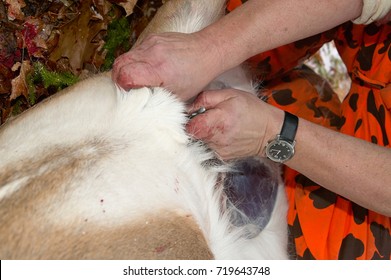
pixel 5 78
pixel 8 47
pixel 19 84
pixel 102 7
pixel 3 12
pixel 16 66
pixel 15 9
pixel 34 35
pixel 127 5
pixel 65 36
pixel 76 42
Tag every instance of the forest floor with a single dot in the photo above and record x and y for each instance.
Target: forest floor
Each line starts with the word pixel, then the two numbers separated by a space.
pixel 48 45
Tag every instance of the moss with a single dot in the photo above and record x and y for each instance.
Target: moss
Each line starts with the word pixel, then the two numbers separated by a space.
pixel 52 78
pixel 17 107
pixel 43 77
pixel 32 96
pixel 117 39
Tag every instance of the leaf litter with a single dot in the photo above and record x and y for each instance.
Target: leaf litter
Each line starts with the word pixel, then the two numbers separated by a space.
pixel 48 45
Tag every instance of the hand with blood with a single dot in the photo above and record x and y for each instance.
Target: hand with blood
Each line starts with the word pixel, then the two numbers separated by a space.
pixel 181 63
pixel 234 124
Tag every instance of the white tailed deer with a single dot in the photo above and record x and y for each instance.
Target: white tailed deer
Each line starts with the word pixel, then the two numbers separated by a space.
pixel 99 173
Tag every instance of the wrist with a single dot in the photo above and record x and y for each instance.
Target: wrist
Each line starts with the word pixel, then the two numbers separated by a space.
pixel 274 122
pixel 281 148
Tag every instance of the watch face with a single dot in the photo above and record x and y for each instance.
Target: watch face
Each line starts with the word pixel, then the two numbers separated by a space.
pixel 279 150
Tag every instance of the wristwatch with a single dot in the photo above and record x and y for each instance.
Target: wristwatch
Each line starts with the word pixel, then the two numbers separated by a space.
pixel 282 148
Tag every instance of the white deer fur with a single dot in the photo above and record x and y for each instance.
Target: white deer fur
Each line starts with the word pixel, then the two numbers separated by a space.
pixel 94 158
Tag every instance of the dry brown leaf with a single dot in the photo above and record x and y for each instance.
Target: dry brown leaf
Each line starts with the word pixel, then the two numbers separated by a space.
pixel 76 42
pixel 5 78
pixel 102 6
pixel 15 9
pixel 128 6
pixel 19 84
pixel 65 35
pixel 3 13
pixel 8 47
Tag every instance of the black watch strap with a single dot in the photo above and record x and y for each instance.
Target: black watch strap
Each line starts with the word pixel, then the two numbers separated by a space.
pixel 289 127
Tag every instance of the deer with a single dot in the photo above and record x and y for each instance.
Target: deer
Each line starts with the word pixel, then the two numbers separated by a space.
pixel 99 172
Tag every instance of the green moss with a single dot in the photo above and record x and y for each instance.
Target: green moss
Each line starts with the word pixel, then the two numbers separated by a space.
pixel 52 78
pixel 31 89
pixel 118 38
pixel 41 76
pixel 17 107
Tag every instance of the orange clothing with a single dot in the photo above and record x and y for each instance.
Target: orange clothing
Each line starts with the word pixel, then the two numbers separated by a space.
pixel 323 224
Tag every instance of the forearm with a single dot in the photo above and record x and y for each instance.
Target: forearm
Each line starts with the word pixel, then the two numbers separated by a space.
pixel 350 167
pixel 237 124
pixel 260 25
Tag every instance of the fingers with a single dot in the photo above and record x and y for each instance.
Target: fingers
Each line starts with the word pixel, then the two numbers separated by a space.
pixel 212 129
pixel 120 73
pixel 174 61
pixel 135 75
pixel 133 56
pixel 130 70
pixel 119 63
pixel 205 126
pixel 209 99
pixel 138 67
pixel 232 124
pixel 210 125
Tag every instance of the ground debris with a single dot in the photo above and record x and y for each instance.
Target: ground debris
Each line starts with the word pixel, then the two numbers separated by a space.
pixel 48 45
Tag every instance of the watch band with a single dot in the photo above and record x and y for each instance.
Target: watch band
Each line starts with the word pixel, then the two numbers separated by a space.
pixel 289 127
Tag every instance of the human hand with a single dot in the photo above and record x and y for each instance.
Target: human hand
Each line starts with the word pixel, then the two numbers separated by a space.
pixel 181 63
pixel 235 124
